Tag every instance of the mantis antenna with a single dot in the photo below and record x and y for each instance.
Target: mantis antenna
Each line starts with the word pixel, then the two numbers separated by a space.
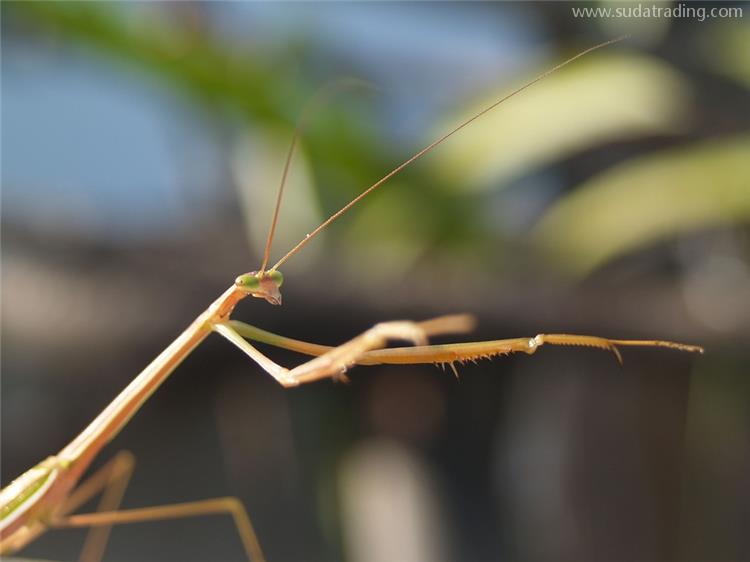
pixel 320 98
pixel 425 150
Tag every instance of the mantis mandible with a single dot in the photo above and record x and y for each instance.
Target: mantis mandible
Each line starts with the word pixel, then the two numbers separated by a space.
pixel 47 495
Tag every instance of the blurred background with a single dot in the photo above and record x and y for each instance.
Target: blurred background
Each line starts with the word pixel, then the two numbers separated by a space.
pixel 142 144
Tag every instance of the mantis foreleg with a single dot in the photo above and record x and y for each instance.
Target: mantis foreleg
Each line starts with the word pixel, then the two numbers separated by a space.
pixel 334 361
pixel 455 352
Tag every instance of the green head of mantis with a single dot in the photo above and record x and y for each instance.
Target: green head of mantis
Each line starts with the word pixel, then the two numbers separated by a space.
pixel 261 284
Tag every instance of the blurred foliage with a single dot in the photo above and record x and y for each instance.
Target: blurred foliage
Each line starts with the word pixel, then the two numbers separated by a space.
pixel 646 200
pixel 182 56
pixel 234 86
pixel 733 57
pixel 602 98
pixel 228 82
pixel 605 98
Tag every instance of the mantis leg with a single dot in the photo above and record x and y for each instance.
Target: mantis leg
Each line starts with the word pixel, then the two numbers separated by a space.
pixel 216 506
pixel 334 361
pixel 112 479
pixel 472 351
pixel 450 353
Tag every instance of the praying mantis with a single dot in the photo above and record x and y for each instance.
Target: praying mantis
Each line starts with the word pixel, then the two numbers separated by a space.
pixel 48 495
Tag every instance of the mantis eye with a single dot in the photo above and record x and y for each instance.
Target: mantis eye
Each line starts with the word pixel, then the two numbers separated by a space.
pixel 247 281
pixel 276 277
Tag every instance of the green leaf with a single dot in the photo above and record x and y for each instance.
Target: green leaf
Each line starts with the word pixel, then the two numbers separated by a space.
pixel 647 200
pixel 600 99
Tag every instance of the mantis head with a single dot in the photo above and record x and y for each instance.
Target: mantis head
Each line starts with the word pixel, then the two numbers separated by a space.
pixel 261 285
